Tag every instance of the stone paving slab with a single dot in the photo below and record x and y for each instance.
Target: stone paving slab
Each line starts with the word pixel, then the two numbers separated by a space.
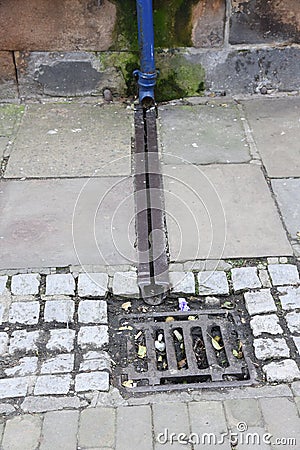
pixel 38 216
pixel 223 211
pixel 287 193
pixel 276 127
pixel 9 114
pixel 203 134
pixel 72 140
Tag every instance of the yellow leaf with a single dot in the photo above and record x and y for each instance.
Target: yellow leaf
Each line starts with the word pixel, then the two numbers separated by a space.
pixel 192 318
pixel 170 319
pixel 142 351
pixel 128 384
pixel 126 306
pixel 125 327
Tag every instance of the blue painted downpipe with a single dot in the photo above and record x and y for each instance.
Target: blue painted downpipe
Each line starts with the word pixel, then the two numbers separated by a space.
pixel 147 74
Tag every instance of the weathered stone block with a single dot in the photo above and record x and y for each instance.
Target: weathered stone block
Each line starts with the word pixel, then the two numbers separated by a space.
pixel 24 312
pixel 93 337
pixel 59 364
pixel 182 282
pixel 61 340
pixel 286 370
pixel 208 20
pixel 213 283
pixel 8 82
pixel 260 21
pixel 271 348
pixel 259 302
pixel 59 311
pixel 293 321
pixel 93 381
pixel 283 274
pixel 125 283
pixel 60 284
pixel 290 298
pixel 24 341
pixel 92 311
pixel 245 278
pixel 25 366
pixel 25 284
pixel 52 384
pixel 265 324
pixel 92 284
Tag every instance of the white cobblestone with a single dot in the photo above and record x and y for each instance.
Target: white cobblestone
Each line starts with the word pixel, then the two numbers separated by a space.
pixel 266 348
pixel 6 409
pixel 245 278
pixel 182 282
pixel 125 283
pixel 92 311
pixel 13 387
pixel 3 343
pixel 52 384
pixel 290 297
pixel 61 340
pixel 43 404
pixel 25 366
pixel 297 343
pixel 286 370
pixel 95 361
pixel 265 324
pixel 60 284
pixel 94 336
pixel 93 381
pixel 92 284
pixel 25 284
pixel 1 313
pixel 213 283
pixel 24 341
pixel 293 321
pixel 264 278
pixel 61 311
pixel 282 274
pixel 259 302
pixel 3 281
pixel 26 313
pixel 58 364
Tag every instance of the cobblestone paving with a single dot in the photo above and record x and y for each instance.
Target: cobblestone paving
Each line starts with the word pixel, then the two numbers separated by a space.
pixel 54 328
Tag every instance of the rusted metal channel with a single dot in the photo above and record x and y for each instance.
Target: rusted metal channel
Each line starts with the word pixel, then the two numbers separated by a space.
pixel 153 277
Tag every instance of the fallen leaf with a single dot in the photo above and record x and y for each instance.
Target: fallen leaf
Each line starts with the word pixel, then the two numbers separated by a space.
pixel 182 363
pixel 217 338
pixel 142 351
pixel 298 234
pixel 178 335
pixel 125 327
pixel 170 319
pixel 215 343
pixel 138 335
pixel 128 384
pixel 235 353
pixel 126 306
pixel 159 358
pixel 192 318
pixel 227 305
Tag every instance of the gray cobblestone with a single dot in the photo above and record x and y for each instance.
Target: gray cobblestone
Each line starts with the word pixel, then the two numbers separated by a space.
pixel 43 404
pixel 125 283
pixel 25 284
pixel 61 311
pixel 172 416
pixel 95 361
pixel 286 370
pixel 92 284
pixel 58 364
pixel 24 341
pixel 183 282
pixel 6 409
pixel 25 366
pixel 22 432
pixel 3 343
pixel 93 336
pixel 60 284
pixel 296 340
pixel 265 324
pixel 208 417
pixel 1 313
pixel 290 298
pixel 61 340
pixel 90 434
pixel 92 381
pixel 296 388
pixel 52 384
pixel 213 283
pixel 282 274
pixel 293 321
pixel 264 278
pixel 266 348
pixel 13 387
pixel 59 430
pixel 92 311
pixel 245 278
pixel 259 302
pixel 26 313
pixel 3 282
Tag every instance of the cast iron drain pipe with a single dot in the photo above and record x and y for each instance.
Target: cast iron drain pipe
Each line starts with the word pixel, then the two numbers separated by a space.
pixel 147 74
pixel 153 277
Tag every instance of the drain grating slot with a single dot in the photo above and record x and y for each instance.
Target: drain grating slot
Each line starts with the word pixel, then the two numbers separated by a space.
pixel 204 349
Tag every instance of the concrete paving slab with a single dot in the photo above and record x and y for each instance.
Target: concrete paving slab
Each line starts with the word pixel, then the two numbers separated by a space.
pixel 276 128
pixel 288 197
pixel 72 140
pixel 8 117
pixel 221 211
pixel 61 222
pixel 203 134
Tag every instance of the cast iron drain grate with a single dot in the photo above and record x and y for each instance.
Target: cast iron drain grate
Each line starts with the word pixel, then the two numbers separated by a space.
pixel 198 349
